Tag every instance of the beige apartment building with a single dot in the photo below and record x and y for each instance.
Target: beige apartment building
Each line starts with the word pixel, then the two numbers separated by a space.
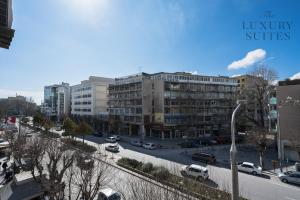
pixel 90 98
pixel 171 105
pixel 288 94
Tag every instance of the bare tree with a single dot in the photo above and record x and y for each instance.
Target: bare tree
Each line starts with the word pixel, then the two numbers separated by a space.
pixel 88 176
pixel 50 160
pixel 260 85
pixel 17 143
pixel 136 188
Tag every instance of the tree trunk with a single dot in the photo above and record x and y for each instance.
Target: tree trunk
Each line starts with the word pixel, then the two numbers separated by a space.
pixel 261 160
pixel 83 139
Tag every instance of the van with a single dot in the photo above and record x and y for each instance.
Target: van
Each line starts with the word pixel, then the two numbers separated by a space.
pixel 204 157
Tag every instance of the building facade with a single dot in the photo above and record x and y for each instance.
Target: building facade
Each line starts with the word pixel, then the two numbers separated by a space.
pixel 288 94
pixel 171 105
pixel 6 18
pixel 56 101
pixel 90 98
pixel 17 106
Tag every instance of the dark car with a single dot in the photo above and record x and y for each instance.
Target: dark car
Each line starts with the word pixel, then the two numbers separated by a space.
pixel 204 157
pixel 98 134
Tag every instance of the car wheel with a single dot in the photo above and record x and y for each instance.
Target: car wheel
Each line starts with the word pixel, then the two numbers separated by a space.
pixel 284 180
pixel 199 178
pixel 254 173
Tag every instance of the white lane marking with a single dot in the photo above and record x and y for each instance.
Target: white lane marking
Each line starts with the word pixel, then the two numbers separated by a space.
pixel 289 198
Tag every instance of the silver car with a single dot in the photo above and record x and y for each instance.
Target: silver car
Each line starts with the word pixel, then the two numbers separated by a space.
pixel 290 177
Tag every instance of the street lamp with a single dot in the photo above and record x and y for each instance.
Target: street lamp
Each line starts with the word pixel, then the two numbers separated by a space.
pixel 233 151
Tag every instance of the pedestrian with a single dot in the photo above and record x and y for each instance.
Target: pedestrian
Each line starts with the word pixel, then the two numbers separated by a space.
pixel 4 166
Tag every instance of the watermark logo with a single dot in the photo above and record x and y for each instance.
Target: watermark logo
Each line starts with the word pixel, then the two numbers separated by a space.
pixel 268 27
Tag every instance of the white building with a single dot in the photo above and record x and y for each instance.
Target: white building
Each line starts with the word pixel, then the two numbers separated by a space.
pixel 56 100
pixel 90 98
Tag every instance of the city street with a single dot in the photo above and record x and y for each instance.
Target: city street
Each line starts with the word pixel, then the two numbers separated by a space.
pixel 251 187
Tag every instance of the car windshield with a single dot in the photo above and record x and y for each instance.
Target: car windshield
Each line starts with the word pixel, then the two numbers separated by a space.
pixel 289 172
pixel 115 196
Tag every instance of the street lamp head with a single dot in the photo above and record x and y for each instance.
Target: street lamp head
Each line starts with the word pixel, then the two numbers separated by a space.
pixel 241 101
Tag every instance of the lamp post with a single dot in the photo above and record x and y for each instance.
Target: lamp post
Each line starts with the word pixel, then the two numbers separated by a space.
pixel 233 151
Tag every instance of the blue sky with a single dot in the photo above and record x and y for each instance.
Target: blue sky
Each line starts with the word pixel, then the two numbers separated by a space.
pixel 69 40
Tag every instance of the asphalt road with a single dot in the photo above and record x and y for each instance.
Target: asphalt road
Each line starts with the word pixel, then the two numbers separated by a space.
pixel 251 187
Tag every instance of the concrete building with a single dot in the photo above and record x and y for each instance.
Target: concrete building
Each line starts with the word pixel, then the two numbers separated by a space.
pixel 90 98
pixel 6 18
pixel 56 100
pixel 171 105
pixel 18 106
pixel 288 94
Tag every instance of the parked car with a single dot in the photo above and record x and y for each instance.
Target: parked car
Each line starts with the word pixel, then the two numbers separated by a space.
pixel 25 163
pixel 188 144
pixel 195 171
pixel 111 139
pixel 204 157
pixel 249 168
pixel 108 194
pixel 137 143
pixel 150 146
pixel 98 134
pixel 112 148
pixel 117 137
pixel 290 177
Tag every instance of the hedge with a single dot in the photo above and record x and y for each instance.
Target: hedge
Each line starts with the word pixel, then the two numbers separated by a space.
pixel 79 145
pixel 185 185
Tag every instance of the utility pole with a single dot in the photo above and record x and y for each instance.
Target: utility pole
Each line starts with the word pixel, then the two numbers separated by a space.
pixel 233 151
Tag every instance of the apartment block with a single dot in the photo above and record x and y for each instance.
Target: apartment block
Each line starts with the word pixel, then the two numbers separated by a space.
pixel 56 100
pixel 6 18
pixel 171 105
pixel 90 97
pixel 288 105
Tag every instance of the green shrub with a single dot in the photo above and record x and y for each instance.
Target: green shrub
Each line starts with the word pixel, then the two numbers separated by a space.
pixel 161 173
pixel 79 145
pixel 147 167
pixel 130 162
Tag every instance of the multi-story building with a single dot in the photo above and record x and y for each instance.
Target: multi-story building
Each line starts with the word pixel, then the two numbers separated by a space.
pixel 171 105
pixel 18 105
pixel 90 98
pixel 6 18
pixel 288 105
pixel 56 100
pixel 250 88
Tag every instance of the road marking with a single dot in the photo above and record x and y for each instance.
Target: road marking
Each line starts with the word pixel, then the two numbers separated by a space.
pixel 289 198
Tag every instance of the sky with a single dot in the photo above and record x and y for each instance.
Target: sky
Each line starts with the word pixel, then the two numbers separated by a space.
pixel 69 40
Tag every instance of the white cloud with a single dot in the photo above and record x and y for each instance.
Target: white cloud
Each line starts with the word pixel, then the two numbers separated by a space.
pixel 193 72
pixel 251 58
pixel 295 76
pixel 236 75
pixel 36 95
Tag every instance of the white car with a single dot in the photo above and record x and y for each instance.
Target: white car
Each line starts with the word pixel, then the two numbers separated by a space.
pixel 195 171
pixel 249 168
pixel 111 139
pixel 290 177
pixel 108 194
pixel 150 146
pixel 117 137
pixel 112 148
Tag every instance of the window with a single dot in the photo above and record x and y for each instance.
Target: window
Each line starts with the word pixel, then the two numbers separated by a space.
pixel 246 166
